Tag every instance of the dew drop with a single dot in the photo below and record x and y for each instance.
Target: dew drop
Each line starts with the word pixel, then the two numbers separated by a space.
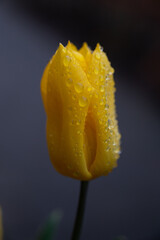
pixel 79 87
pixel 72 122
pixel 83 101
pixel 96 71
pixel 102 88
pixel 119 152
pixel 66 61
pixel 101 102
pixel 106 129
pixel 108 148
pixel 97 55
pixel 106 106
pixel 111 132
pixel 101 48
pixel 109 122
pixel 102 66
pixel 111 71
pixel 107 77
pixel 74 97
pixel 101 78
pixel 69 82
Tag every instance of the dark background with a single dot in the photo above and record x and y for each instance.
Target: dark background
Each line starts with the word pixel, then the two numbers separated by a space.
pixel 127 202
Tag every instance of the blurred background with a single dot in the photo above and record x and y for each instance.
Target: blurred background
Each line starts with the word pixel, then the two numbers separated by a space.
pixel 127 202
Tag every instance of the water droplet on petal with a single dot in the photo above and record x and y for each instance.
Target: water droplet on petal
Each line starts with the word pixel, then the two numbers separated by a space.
pixel 111 71
pixel 79 87
pixel 83 101
pixel 109 122
pixel 108 148
pixel 106 106
pixel 102 88
pixel 107 77
pixel 69 82
pixel 66 61
pixel 102 65
pixel 101 48
pixel 111 132
pixel 101 102
pixel 74 97
pixel 97 55
pixel 96 71
pixel 101 78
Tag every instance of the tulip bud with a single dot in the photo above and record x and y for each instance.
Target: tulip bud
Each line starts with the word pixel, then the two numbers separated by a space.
pixel 78 94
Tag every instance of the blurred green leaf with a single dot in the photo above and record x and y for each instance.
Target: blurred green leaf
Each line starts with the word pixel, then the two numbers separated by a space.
pixel 48 230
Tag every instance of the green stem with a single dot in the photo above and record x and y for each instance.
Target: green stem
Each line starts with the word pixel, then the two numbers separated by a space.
pixel 80 211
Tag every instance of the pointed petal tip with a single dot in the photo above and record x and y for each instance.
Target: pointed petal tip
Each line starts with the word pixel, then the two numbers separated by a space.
pixel 61 45
pixel 99 47
pixel 85 45
pixel 68 43
pixel 71 46
pixel 61 48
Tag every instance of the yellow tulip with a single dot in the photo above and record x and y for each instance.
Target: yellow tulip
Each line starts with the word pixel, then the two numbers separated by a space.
pixel 82 131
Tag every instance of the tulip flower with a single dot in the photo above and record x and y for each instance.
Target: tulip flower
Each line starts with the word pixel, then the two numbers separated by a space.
pixel 78 94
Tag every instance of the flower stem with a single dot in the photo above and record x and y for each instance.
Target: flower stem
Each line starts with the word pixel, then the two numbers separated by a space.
pixel 80 211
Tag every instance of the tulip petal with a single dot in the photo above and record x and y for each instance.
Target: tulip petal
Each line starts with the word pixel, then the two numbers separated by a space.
pixel 100 75
pixel 79 57
pixel 71 46
pixel 87 53
pixel 68 101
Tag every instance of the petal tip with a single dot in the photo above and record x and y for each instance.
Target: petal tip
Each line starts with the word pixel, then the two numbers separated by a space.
pixel 99 47
pixel 61 48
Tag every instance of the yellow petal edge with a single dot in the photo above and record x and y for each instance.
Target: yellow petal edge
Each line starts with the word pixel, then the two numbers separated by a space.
pixel 77 89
